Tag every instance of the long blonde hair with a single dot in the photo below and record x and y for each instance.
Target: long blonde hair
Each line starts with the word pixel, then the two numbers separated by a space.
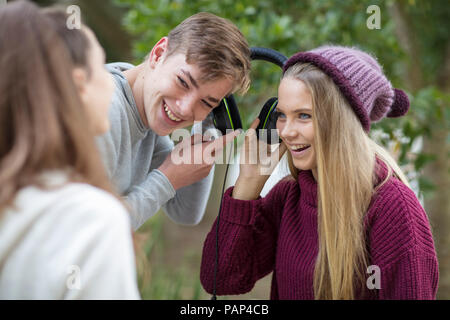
pixel 346 161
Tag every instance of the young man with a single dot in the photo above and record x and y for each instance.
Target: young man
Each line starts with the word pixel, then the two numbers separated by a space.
pixel 184 77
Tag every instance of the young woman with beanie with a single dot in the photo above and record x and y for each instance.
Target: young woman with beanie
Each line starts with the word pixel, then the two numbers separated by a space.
pixel 63 234
pixel 346 215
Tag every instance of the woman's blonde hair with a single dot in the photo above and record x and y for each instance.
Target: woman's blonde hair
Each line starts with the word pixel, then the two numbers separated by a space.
pixel 346 166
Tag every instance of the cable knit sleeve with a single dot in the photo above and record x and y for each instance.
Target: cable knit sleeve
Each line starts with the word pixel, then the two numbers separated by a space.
pixel 401 245
pixel 248 232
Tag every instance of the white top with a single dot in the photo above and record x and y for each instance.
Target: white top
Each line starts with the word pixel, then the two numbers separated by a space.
pixel 71 242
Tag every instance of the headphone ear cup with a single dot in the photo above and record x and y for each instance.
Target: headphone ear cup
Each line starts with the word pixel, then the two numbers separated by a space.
pixel 226 115
pixel 266 129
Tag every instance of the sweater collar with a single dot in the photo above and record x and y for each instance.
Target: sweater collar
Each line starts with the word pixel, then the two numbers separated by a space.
pixel 308 187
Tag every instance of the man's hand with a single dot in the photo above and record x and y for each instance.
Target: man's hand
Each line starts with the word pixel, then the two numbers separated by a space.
pixel 198 159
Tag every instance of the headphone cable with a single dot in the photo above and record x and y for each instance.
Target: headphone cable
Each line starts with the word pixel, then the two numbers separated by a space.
pixel 216 263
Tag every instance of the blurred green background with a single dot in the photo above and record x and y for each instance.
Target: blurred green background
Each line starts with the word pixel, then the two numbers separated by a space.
pixel 413 47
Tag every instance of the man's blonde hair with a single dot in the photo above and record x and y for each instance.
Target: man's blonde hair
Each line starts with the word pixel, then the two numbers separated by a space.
pixel 216 46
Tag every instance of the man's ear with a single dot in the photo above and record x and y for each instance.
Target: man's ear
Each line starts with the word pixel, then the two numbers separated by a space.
pixel 158 52
pixel 80 77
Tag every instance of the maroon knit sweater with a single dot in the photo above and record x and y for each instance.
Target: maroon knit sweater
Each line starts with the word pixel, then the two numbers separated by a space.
pixel 279 233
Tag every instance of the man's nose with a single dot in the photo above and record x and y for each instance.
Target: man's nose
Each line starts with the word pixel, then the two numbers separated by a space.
pixel 190 108
pixel 186 107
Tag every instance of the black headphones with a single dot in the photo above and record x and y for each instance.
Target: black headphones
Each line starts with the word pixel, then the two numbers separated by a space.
pixel 226 115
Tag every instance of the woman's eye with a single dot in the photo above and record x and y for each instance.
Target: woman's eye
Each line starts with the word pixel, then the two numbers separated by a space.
pixel 279 115
pixel 304 116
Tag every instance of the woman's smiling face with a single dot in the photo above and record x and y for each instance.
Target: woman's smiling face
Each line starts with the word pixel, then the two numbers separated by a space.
pixel 295 124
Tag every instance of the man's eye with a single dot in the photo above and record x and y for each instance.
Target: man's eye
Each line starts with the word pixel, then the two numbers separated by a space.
pixel 183 83
pixel 207 104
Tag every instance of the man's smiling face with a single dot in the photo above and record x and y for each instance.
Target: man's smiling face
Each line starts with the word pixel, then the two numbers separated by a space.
pixel 174 96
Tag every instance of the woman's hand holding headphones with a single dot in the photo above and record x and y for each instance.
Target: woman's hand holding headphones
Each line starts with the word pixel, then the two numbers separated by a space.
pixel 257 162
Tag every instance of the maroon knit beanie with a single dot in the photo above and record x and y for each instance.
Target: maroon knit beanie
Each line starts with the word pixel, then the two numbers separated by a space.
pixel 361 80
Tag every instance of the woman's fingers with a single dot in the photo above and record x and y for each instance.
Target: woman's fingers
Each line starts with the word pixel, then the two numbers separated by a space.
pixel 254 124
pixel 250 147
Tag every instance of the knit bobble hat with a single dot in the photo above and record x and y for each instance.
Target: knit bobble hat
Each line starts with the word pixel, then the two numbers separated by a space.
pixel 361 80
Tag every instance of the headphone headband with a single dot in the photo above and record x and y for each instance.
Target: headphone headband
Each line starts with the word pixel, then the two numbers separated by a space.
pixel 270 55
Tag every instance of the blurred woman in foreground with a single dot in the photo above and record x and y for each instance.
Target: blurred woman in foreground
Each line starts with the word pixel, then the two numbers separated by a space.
pixel 63 235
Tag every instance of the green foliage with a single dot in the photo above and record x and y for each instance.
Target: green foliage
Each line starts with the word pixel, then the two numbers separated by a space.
pixel 429 111
pixel 155 280
pixel 286 26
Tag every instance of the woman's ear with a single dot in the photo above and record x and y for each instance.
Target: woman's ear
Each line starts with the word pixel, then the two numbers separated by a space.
pixel 158 52
pixel 80 77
